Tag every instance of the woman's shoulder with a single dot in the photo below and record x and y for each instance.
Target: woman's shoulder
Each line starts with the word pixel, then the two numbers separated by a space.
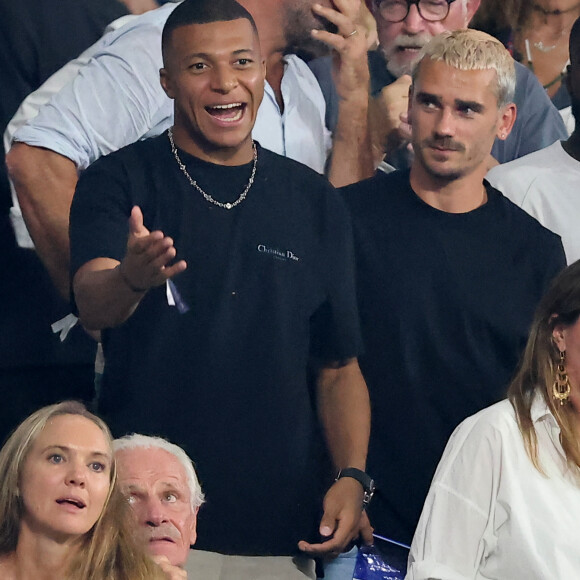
pixel 482 435
pixel 498 416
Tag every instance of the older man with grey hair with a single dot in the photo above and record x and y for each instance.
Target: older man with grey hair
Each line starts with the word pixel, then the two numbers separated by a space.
pixel 160 483
pixel 404 27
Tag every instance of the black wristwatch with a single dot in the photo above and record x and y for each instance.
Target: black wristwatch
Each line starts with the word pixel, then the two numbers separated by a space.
pixel 367 482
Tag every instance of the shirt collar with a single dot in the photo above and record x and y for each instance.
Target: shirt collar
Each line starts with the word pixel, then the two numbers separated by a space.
pixel 541 415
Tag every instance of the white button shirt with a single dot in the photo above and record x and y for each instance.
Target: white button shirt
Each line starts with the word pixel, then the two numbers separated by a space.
pixel 490 514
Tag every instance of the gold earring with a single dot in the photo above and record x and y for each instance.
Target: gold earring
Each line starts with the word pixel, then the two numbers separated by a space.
pixel 561 386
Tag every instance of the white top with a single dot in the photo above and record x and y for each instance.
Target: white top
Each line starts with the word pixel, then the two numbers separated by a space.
pixel 490 514
pixel 116 98
pixel 546 184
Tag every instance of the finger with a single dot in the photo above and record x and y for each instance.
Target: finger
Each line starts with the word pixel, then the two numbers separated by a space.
pixel 329 520
pixel 136 226
pixel 404 80
pixel 329 548
pixel 340 20
pixel 348 30
pixel 177 268
pixel 162 259
pixel 336 41
pixel 350 8
pixel 141 245
pixel 366 530
pixel 157 251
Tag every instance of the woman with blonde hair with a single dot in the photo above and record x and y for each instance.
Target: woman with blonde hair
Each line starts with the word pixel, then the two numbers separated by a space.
pixel 61 514
pixel 505 500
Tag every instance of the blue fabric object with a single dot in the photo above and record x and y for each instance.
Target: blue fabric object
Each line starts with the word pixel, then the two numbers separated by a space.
pixel 342 567
pixel 372 565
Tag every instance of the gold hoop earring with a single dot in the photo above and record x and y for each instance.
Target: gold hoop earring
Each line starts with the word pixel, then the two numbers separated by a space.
pixel 561 386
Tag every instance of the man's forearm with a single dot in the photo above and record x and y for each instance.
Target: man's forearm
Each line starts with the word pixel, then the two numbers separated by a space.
pixel 102 295
pixel 352 157
pixel 344 409
pixel 45 183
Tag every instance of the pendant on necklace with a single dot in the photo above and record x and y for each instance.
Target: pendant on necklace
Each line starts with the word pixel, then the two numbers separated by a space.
pixel 543 48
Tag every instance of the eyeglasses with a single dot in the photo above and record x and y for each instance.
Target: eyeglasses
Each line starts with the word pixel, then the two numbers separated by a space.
pixel 397 10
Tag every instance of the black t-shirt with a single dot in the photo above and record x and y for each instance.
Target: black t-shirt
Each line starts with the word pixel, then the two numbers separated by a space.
pixel 269 284
pixel 445 302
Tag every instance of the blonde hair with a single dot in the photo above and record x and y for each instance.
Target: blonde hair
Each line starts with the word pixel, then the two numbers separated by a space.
pixel 468 49
pixel 560 306
pixel 107 551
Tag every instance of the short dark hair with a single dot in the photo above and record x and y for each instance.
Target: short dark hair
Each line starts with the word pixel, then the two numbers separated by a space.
pixel 575 42
pixel 202 12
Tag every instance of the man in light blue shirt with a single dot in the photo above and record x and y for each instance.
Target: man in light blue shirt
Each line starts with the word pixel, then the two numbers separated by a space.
pixel 116 99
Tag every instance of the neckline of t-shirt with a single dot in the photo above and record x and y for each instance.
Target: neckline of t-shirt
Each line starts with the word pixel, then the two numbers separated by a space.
pixel 467 215
pixel 192 160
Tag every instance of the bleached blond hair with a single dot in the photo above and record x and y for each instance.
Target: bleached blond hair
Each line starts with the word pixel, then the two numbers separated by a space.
pixel 468 49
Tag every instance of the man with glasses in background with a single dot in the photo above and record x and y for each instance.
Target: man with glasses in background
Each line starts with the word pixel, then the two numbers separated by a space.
pixel 404 27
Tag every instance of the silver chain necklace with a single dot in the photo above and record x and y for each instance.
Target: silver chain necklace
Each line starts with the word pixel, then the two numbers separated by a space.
pixel 206 195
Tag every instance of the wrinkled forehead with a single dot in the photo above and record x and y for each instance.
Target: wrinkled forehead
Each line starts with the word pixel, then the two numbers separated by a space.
pixel 150 468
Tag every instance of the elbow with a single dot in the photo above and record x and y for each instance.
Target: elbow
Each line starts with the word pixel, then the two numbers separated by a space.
pixel 90 319
pixel 16 162
pixel 23 165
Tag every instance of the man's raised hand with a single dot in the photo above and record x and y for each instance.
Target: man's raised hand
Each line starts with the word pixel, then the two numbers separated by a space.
pixel 149 254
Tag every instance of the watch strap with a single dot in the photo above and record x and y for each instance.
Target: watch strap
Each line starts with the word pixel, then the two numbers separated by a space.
pixel 363 478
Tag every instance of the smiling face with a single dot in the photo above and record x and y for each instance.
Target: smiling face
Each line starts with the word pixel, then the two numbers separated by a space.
pixel 65 478
pixel 455 119
pixel 155 483
pixel 215 74
pixel 401 42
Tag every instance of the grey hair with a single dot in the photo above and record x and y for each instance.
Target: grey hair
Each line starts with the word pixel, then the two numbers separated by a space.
pixel 136 440
pixel 468 49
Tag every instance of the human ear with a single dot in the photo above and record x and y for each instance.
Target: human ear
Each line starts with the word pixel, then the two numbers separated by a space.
pixel 471 7
pixel 559 337
pixel 506 121
pixel 164 79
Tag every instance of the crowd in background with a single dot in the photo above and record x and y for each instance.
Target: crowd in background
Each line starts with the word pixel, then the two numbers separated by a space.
pixel 374 332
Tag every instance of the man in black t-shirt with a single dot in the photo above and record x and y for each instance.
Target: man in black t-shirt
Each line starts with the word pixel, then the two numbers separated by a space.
pixel 236 274
pixel 448 273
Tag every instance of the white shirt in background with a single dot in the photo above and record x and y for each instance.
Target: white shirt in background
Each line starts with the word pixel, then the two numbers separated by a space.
pixel 546 184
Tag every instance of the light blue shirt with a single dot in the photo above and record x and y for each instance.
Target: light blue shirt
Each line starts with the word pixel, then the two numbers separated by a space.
pixel 116 99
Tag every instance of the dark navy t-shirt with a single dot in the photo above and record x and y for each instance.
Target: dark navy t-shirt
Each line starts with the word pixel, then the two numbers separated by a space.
pixel 445 301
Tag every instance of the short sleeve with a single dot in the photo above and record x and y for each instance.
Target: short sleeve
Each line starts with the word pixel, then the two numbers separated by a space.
pixel 335 332
pixel 99 214
pixel 124 68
